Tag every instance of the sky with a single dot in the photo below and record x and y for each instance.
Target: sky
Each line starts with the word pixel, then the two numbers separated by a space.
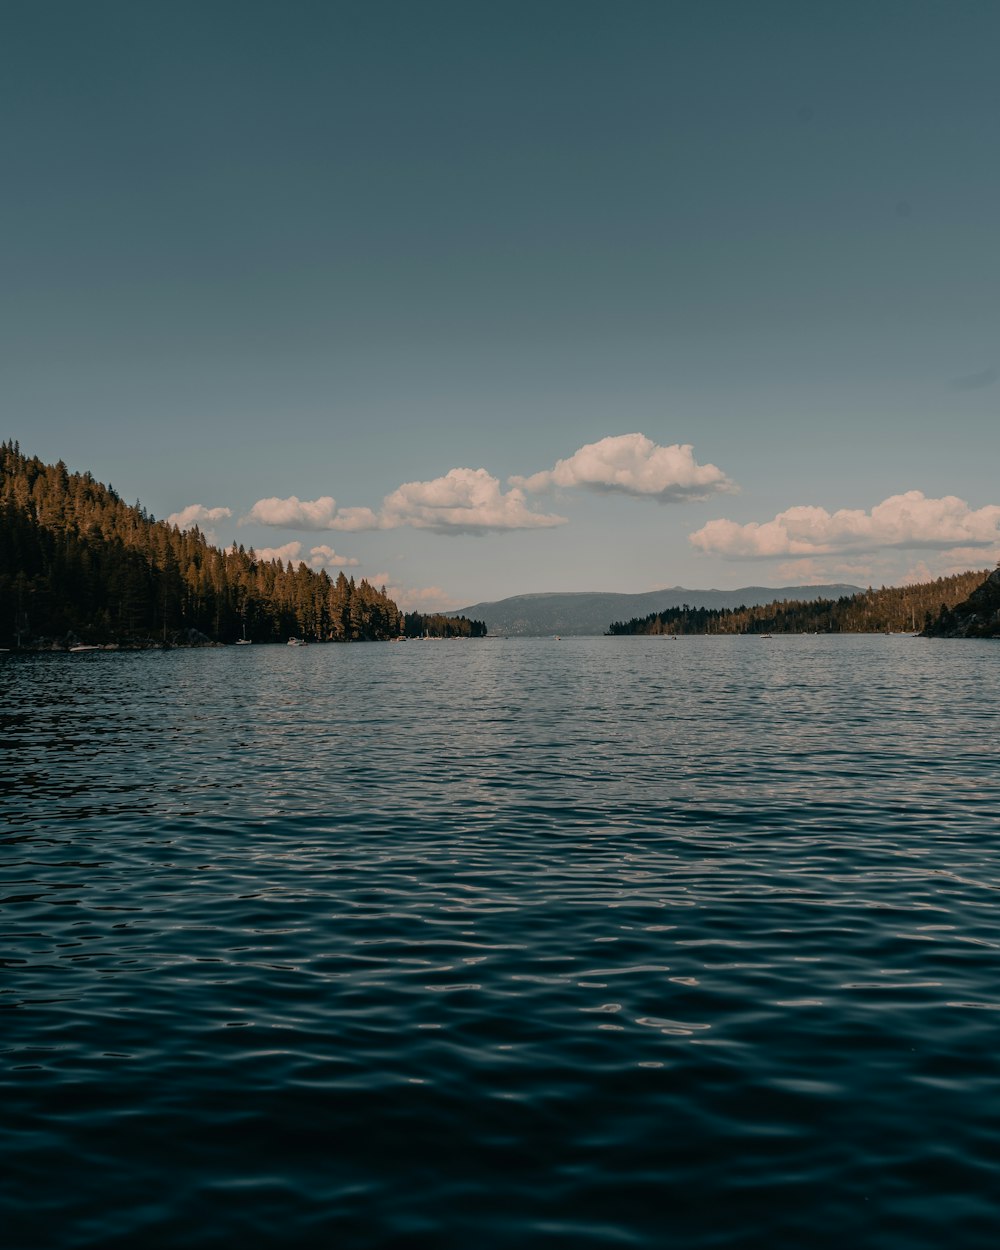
pixel 478 298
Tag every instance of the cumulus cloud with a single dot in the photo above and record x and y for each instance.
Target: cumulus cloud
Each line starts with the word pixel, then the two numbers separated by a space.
pixel 290 551
pixel 321 557
pixel 958 559
pixel 632 464
pixel 197 514
pixel 353 519
pixel 415 598
pixel 917 574
pixel 324 557
pixel 910 520
pixel 294 513
pixel 463 501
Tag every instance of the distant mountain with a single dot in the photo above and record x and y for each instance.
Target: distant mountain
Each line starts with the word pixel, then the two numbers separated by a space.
pixel 592 612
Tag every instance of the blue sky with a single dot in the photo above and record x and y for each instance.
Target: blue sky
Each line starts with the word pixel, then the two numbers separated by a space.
pixel 717 283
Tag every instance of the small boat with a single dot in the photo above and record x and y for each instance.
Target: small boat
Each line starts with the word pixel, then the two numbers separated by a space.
pixel 243 642
pixel 296 642
pixel 767 635
pixel 84 647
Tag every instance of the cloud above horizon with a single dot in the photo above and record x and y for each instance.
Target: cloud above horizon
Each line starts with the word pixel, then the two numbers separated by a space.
pixel 415 598
pixel 324 557
pixel 321 557
pixel 632 464
pixel 290 551
pixel 197 514
pixel 472 501
pixel 468 501
pixel 309 514
pixel 910 520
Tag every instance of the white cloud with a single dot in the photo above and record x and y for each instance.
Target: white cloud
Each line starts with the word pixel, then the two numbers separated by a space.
pixel 197 514
pixel 290 551
pixel 324 557
pixel 294 513
pixel 976 556
pixel 917 575
pixel 910 520
pixel 958 559
pixel 321 557
pixel 463 501
pixel 353 519
pixel 471 501
pixel 888 567
pixel 632 464
pixel 415 599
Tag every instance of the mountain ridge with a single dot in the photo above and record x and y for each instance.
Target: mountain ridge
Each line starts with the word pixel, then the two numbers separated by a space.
pixel 579 612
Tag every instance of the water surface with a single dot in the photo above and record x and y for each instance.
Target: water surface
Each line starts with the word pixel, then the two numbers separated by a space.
pixel 597 942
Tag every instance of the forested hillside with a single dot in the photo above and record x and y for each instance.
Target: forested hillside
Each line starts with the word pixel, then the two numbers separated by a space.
pixel 76 562
pixel 892 608
pixel 978 616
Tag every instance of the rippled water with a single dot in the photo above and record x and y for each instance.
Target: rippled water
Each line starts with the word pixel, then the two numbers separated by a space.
pixel 599 942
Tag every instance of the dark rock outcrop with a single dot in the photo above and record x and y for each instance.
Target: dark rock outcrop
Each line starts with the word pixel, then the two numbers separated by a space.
pixel 977 617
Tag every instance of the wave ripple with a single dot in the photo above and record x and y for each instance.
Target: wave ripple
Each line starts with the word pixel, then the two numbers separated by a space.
pixel 603 943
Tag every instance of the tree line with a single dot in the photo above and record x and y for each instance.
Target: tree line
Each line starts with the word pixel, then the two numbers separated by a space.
pixel 77 562
pixel 891 609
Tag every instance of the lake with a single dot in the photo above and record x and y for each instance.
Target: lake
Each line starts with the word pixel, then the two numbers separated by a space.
pixel 600 942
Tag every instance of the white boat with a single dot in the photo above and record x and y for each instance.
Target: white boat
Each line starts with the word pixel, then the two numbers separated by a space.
pixel 84 647
pixel 296 642
pixel 243 642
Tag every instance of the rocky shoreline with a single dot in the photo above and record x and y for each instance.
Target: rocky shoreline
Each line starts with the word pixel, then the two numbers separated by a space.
pixel 69 642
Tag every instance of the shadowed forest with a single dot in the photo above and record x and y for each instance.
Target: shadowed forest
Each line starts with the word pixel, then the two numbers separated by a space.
pixel 892 609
